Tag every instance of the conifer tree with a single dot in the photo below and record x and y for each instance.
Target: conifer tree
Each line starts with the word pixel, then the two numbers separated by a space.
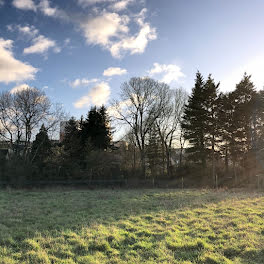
pixel 238 115
pixel 41 147
pixel 96 128
pixel 155 152
pixel 72 141
pixel 244 96
pixel 211 119
pixel 106 135
pixel 226 126
pixel 244 100
pixel 193 123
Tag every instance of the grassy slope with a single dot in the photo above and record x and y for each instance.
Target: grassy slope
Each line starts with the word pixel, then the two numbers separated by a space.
pixel 136 226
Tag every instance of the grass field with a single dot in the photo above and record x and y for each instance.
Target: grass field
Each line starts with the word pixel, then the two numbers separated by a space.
pixel 131 226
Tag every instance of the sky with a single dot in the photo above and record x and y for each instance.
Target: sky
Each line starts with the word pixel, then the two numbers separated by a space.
pixel 81 51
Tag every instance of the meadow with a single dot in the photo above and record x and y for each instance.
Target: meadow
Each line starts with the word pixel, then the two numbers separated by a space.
pixel 131 226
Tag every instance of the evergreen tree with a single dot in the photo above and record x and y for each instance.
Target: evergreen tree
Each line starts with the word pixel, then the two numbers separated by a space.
pixel 41 147
pixel 155 153
pixel 211 119
pixel 227 126
pixel 244 97
pixel 106 135
pixel 238 118
pixel 96 128
pixel 194 122
pixel 72 140
pixel 244 110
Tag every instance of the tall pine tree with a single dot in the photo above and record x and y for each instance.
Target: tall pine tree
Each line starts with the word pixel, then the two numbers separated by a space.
pixel 194 123
pixel 210 104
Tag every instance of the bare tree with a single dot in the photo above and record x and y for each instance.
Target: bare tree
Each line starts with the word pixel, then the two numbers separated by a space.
pixel 23 112
pixel 10 119
pixel 168 122
pixel 34 107
pixel 142 102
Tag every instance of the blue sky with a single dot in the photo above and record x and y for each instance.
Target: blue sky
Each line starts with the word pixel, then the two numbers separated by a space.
pixel 81 51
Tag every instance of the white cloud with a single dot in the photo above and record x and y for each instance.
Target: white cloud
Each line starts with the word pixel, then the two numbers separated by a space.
pixel 25 4
pixel 11 69
pixel 253 66
pixel 98 95
pixel 20 88
pixel 43 6
pixel 111 31
pixel 47 10
pixel 83 82
pixel 168 72
pixel 120 107
pixel 121 5
pixel 2 3
pixel 28 30
pixel 41 45
pixel 114 71
pixel 138 42
pixel 101 29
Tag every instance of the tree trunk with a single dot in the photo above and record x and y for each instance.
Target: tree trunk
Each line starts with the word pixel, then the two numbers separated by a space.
pixel 226 161
pixel 163 160
pixel 213 162
pixel 143 163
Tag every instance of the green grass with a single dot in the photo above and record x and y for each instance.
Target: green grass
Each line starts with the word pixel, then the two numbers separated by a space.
pixel 135 226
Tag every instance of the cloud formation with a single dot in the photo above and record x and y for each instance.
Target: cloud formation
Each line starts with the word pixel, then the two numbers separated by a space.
pixel 98 95
pixel 43 6
pixel 112 31
pixel 11 69
pixel 167 72
pixel 82 82
pixel 107 26
pixel 19 88
pixel 114 71
pixel 41 45
pixel 25 4
pixel 26 30
pixel 47 10
pixel 121 5
pixel 100 29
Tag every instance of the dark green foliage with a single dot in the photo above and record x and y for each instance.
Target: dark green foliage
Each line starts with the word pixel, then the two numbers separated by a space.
pixel 72 139
pixel 84 144
pixel 224 136
pixel 194 122
pixel 96 128
pixel 155 154
pixel 243 100
pixel 212 125
pixel 41 147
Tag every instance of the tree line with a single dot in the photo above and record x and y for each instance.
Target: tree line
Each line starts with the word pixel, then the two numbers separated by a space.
pixel 225 130
pixel 207 138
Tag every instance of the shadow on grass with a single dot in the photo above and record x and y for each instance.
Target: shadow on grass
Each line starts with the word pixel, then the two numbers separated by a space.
pixel 144 219
pixel 28 212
